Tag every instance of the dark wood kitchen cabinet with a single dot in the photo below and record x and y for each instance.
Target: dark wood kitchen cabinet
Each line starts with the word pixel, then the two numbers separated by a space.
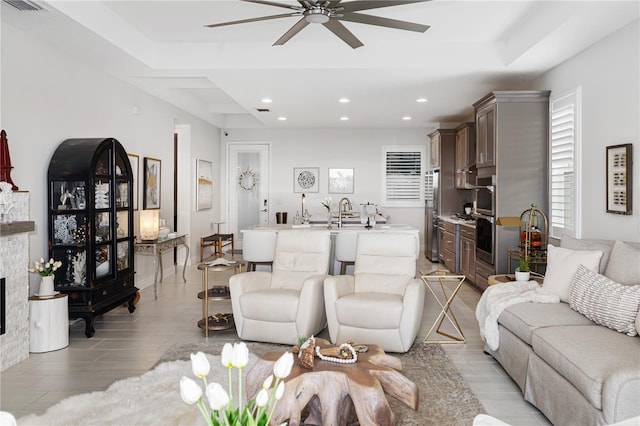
pixel 467 255
pixel 91 226
pixel 465 156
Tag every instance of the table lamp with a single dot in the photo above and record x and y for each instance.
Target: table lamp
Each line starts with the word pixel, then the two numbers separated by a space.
pixel 149 225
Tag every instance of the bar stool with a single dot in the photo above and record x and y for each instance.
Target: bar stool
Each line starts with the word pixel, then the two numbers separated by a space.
pixel 258 248
pixel 346 242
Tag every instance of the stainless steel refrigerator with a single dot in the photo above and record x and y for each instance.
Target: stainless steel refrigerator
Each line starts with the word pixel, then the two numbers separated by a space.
pixel 431 220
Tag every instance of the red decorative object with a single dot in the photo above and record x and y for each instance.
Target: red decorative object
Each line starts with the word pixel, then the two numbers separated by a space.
pixel 5 161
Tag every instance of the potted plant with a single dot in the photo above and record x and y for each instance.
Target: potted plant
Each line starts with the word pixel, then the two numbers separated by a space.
pixel 523 273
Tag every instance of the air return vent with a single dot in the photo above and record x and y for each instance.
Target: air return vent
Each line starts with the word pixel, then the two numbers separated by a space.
pixel 263 110
pixel 25 5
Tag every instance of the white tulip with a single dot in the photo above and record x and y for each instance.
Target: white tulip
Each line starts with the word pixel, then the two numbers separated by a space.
pixel 262 398
pixel 190 391
pixel 279 391
pixel 226 357
pixel 42 260
pixel 240 355
pixel 283 365
pixel 267 382
pixel 200 365
pixel 217 396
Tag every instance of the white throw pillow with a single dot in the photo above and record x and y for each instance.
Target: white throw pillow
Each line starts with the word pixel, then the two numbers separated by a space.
pixel 562 265
pixel 605 301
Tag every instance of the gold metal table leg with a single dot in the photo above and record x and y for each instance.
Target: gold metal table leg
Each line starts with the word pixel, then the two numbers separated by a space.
pixel 446 311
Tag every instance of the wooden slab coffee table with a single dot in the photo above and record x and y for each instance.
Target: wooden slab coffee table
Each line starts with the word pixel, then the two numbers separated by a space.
pixel 333 393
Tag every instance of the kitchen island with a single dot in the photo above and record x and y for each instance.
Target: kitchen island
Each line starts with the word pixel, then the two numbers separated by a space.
pixel 347 227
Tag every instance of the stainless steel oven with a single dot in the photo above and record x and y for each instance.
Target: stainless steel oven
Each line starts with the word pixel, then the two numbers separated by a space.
pixel 485 237
pixel 484 196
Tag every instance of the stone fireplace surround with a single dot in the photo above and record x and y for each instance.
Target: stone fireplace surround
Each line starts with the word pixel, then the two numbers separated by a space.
pixel 14 262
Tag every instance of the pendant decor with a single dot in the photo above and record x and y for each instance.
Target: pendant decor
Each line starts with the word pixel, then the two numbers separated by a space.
pixel 248 180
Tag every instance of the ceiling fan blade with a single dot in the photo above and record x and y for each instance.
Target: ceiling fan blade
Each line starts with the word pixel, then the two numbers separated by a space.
pixel 341 31
pixel 262 18
pixel 383 22
pixel 354 6
pixel 276 4
pixel 292 31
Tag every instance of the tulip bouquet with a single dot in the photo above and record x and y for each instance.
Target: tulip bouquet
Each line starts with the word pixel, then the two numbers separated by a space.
pixel 222 410
pixel 45 269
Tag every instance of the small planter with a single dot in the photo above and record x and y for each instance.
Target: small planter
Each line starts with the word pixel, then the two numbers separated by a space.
pixel 523 276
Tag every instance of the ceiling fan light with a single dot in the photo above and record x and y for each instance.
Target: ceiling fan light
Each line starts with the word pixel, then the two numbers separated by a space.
pixel 317 16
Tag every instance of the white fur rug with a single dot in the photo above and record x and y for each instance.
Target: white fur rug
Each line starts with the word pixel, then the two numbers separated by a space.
pixel 150 399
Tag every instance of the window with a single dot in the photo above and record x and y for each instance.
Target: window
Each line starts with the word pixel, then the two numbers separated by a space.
pixel 403 184
pixel 565 141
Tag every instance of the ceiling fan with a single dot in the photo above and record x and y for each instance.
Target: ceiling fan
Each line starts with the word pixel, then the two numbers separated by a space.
pixel 329 13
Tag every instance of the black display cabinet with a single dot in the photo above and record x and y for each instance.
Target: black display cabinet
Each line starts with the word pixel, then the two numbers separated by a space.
pixel 91 226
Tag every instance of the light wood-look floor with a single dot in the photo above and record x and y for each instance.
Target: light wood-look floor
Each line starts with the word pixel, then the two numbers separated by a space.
pixel 130 344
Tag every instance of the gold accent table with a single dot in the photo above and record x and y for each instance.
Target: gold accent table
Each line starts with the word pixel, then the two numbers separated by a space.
pixel 442 277
pixel 221 321
pixel 155 249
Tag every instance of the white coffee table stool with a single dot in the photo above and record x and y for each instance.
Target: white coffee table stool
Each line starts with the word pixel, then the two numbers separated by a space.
pixel 48 323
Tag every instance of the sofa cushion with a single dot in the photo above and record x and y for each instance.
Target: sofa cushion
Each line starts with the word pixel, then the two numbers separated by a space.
pixel 562 265
pixel 579 244
pixel 355 310
pixel 624 265
pixel 587 356
pixel 522 319
pixel 604 301
pixel 270 305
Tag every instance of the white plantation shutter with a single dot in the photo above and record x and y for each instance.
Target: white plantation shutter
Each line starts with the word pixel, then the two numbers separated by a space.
pixel 563 165
pixel 403 176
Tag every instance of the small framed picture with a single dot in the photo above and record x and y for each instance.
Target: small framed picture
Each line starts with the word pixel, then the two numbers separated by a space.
pixel 204 184
pixel 306 179
pixel 151 184
pixel 619 179
pixel 340 181
pixel 134 160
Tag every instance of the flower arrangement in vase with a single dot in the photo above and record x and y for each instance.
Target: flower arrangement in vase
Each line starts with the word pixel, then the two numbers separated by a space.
pixel 222 410
pixel 46 271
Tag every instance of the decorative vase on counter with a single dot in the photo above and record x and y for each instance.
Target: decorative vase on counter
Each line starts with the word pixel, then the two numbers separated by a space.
pixel 46 286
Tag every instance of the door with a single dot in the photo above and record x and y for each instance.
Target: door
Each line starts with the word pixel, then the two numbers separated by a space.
pixel 248 177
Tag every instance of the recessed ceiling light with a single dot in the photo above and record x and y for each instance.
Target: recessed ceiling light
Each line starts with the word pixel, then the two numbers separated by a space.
pixel 344 100
pixel 344 118
pixel 282 118
pixel 406 118
pixel 266 100
pixel 421 100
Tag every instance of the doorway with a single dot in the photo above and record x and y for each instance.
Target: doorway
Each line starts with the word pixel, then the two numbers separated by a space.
pixel 248 177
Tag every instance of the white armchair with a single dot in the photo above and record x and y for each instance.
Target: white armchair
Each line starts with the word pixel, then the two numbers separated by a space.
pixel 382 302
pixel 287 303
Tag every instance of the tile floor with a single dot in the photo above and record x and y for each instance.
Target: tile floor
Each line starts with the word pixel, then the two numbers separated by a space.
pixel 129 344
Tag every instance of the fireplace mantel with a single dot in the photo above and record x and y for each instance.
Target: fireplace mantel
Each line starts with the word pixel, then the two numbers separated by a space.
pixel 7 229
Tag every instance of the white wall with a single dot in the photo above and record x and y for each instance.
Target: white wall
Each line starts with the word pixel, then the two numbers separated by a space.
pixel 609 73
pixel 360 149
pixel 48 97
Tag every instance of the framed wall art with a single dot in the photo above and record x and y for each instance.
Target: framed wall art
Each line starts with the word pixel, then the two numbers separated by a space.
pixel 134 160
pixel 204 184
pixel 340 181
pixel 151 184
pixel 306 179
pixel 619 179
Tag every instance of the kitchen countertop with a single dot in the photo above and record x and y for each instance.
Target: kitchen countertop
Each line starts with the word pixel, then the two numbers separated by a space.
pixel 458 221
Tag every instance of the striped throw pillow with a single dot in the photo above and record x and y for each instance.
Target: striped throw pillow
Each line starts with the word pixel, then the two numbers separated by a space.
pixel 604 301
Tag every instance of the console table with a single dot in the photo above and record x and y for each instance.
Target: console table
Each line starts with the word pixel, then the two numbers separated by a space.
pixel 156 248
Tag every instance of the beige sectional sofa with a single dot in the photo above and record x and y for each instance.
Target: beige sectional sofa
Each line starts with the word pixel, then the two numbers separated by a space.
pixel 575 370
